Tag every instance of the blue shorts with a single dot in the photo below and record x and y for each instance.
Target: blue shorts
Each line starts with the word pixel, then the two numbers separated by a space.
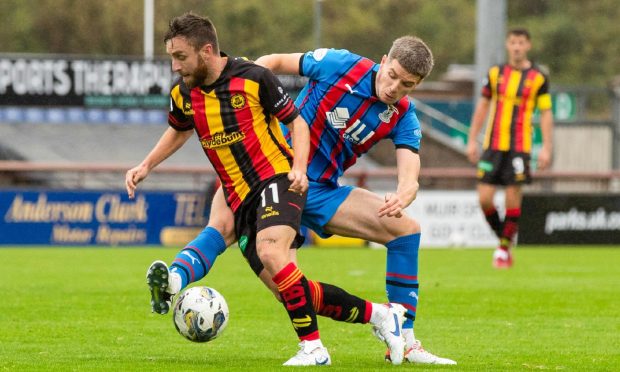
pixel 323 202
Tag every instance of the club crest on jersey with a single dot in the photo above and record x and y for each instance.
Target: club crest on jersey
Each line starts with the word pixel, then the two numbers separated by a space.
pixel 386 115
pixel 237 101
pixel 187 109
pixel 221 139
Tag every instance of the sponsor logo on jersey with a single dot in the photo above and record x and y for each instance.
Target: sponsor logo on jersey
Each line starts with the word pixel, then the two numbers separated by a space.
pixel 221 139
pixel 357 133
pixel 338 118
pixel 237 101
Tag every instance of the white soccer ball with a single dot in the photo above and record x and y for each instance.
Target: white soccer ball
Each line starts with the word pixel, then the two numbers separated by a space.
pixel 200 314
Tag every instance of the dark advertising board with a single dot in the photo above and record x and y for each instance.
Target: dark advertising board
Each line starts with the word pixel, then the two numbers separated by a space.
pixel 84 82
pixel 41 80
pixel 570 219
pixel 70 89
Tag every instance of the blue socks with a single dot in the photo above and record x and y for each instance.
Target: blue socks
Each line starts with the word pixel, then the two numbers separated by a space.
pixel 401 276
pixel 194 261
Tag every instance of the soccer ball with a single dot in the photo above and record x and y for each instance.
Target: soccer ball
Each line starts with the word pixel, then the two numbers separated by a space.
pixel 200 314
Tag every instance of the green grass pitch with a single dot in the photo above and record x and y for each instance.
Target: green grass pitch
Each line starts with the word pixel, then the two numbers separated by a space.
pixel 87 309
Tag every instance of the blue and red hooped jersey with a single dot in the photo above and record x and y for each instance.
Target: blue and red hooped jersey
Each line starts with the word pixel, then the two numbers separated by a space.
pixel 345 116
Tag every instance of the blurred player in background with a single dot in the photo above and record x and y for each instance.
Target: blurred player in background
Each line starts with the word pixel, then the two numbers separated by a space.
pixel 350 103
pixel 234 107
pixel 510 94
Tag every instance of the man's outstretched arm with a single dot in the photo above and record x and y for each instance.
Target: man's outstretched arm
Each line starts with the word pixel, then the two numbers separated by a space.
pixel 287 64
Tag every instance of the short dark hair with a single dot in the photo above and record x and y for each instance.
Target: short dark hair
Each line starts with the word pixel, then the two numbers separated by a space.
pixel 519 31
pixel 198 31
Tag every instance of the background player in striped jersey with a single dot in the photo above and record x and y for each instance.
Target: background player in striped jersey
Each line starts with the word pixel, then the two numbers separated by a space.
pixel 350 103
pixel 510 94
pixel 234 106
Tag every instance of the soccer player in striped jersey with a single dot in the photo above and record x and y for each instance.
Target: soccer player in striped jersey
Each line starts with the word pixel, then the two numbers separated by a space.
pixel 350 103
pixel 509 96
pixel 234 106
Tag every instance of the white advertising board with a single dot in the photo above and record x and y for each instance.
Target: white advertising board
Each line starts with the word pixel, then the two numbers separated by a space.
pixel 453 219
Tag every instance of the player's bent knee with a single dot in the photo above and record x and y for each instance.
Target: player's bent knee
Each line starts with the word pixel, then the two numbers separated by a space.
pixel 414 226
pixel 404 226
pixel 226 228
pixel 271 254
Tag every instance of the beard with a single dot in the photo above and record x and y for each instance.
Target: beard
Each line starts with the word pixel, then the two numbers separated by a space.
pixel 199 75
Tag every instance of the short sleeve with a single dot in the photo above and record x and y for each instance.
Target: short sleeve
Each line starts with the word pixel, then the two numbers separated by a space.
pixel 486 87
pixel 407 133
pixel 324 64
pixel 543 101
pixel 180 116
pixel 275 99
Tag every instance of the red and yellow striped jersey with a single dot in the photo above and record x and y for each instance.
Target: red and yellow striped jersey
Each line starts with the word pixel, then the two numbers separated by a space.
pixel 236 119
pixel 514 95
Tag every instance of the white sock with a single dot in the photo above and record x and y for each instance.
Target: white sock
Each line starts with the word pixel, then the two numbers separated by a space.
pixel 314 344
pixel 378 314
pixel 174 283
pixel 409 337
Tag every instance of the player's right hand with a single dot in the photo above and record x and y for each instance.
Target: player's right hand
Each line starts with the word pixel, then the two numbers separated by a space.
pixel 133 177
pixel 299 181
pixel 393 206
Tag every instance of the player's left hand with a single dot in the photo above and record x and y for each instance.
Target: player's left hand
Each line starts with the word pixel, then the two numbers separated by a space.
pixel 299 181
pixel 544 158
pixel 393 206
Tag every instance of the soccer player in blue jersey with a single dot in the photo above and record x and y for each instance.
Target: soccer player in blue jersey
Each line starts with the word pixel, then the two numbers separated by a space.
pixel 350 103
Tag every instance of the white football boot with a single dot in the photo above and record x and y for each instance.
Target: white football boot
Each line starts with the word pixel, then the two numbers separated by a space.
pixel 502 259
pixel 417 354
pixel 389 330
pixel 311 353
